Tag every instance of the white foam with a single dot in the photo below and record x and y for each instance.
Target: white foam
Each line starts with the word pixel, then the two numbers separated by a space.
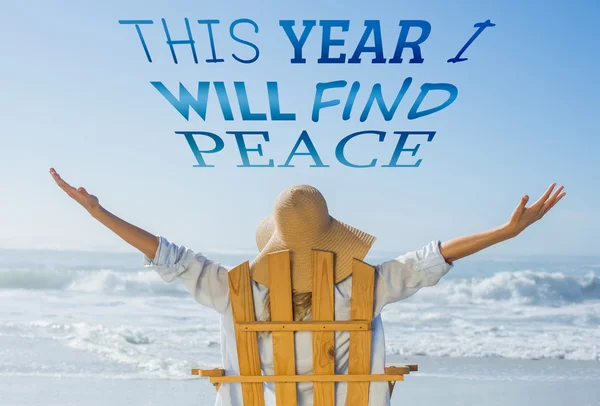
pixel 523 287
pixel 101 281
pixel 133 324
pixel 136 351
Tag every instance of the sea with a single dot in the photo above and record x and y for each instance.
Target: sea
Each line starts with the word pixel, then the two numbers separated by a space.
pixel 104 315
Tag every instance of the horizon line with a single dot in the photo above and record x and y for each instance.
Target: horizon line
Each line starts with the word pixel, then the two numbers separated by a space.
pixel 243 252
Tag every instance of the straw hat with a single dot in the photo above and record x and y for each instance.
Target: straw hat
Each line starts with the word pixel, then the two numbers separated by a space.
pixel 300 222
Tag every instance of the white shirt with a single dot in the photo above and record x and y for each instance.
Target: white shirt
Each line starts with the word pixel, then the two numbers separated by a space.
pixel 208 282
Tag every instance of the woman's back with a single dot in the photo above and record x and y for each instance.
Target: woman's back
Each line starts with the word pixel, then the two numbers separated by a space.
pixel 209 284
pixel 300 223
pixel 303 343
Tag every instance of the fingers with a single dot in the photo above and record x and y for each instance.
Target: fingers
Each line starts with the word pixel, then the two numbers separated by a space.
pixel 559 194
pixel 522 203
pixel 556 194
pixel 71 191
pixel 540 202
pixel 517 213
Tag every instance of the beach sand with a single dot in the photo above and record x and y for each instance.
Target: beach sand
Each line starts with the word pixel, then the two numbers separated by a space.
pixel 447 381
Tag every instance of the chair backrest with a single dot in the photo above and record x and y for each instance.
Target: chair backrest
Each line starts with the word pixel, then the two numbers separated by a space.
pixel 323 326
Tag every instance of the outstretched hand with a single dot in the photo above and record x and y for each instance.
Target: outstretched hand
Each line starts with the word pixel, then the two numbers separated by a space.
pixel 139 238
pixel 80 195
pixel 522 217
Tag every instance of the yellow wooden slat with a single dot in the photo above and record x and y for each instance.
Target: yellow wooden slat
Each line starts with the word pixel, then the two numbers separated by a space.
pixel 318 379
pixel 242 305
pixel 397 369
pixel 282 310
pixel 323 342
pixel 208 372
pixel 359 362
pixel 359 325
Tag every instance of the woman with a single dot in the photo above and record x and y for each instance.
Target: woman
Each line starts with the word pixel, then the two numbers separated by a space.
pixel 300 222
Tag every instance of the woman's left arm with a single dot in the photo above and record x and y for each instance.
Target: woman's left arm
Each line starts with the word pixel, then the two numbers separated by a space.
pixel 521 218
pixel 404 276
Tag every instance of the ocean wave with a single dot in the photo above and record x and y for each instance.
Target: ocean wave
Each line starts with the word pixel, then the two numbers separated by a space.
pixel 471 339
pixel 522 287
pixel 101 281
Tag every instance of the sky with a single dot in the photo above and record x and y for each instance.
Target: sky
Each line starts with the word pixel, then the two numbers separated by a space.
pixel 77 96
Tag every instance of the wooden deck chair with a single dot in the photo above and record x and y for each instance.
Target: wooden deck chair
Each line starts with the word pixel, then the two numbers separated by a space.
pixel 322 325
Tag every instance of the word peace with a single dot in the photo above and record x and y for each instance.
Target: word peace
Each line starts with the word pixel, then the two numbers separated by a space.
pixel 306 142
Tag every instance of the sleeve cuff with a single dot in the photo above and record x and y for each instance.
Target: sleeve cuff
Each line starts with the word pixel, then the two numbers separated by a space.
pixel 170 260
pixel 161 255
pixel 156 261
pixel 433 263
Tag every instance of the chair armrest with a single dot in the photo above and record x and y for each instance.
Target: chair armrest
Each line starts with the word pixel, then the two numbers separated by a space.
pixel 397 370
pixel 208 372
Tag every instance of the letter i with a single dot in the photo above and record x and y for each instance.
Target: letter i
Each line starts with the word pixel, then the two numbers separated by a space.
pixel 480 27
pixel 350 101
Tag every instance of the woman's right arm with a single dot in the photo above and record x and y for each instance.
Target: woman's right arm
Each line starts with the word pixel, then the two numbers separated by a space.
pixel 144 241
pixel 206 280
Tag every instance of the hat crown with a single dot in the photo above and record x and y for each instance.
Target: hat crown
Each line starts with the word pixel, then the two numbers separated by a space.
pixel 301 214
pixel 300 223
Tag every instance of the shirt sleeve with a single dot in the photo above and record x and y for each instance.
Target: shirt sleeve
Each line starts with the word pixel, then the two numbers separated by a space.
pixel 402 277
pixel 206 280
